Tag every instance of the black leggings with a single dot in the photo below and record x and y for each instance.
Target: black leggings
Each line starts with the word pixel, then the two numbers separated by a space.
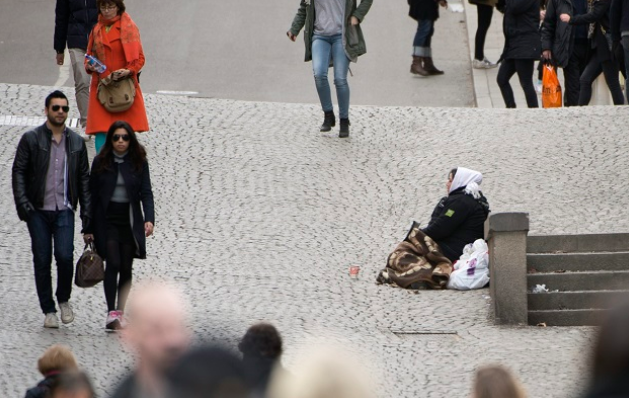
pixel 524 69
pixel 119 261
pixel 485 13
pixel 593 70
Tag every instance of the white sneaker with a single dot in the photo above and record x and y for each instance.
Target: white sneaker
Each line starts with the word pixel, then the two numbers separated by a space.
pixel 484 64
pixel 67 316
pixel 113 321
pixel 51 321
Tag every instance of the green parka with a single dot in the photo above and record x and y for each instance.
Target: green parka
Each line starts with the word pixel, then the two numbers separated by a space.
pixel 353 39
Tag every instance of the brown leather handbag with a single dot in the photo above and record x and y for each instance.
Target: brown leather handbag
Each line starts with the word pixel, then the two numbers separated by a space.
pixel 116 95
pixel 89 269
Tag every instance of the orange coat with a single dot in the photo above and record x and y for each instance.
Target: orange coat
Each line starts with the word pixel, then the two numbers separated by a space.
pixel 98 118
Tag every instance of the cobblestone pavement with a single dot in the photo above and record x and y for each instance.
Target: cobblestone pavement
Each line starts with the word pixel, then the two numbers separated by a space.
pixel 259 216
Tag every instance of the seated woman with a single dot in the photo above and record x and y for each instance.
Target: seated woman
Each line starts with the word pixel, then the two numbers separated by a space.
pixel 459 218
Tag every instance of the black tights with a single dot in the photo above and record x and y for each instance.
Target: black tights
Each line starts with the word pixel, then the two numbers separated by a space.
pixel 119 261
pixel 485 13
pixel 524 69
pixel 593 70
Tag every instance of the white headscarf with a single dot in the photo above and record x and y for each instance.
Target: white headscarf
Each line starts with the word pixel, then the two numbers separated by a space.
pixel 470 179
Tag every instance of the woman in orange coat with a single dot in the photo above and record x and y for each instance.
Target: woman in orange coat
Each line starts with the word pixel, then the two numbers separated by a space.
pixel 115 41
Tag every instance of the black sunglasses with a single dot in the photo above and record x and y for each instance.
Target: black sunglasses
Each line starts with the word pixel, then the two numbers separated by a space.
pixel 125 137
pixel 55 108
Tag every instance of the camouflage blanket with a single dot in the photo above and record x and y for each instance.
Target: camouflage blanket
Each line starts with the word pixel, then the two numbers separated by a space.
pixel 416 263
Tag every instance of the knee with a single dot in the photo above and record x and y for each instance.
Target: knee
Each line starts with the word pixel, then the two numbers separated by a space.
pixel 64 257
pixel 340 82
pixel 320 76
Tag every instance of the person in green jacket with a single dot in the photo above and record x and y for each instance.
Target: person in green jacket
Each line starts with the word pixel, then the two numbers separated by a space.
pixel 333 36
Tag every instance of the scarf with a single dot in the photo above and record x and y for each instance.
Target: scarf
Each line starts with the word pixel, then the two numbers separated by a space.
pixel 129 36
pixel 470 179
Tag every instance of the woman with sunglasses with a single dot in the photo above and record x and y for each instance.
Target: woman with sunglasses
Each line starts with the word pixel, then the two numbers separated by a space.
pixel 115 41
pixel 123 213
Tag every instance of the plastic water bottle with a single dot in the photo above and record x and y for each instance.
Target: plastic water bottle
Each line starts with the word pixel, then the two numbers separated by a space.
pixel 93 61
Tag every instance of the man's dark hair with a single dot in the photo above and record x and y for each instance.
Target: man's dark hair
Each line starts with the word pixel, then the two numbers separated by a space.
pixel 119 3
pixel 55 94
pixel 261 340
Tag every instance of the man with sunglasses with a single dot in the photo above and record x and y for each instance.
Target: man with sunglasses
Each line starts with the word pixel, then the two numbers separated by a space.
pixel 50 177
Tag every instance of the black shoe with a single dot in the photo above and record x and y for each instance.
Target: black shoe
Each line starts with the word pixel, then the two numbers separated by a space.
pixel 329 121
pixel 344 131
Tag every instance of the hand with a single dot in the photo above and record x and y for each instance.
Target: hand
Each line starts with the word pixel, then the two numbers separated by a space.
pixel 546 54
pixel 90 68
pixel 148 228
pixel 60 58
pixel 565 18
pixel 88 238
pixel 354 21
pixel 291 36
pixel 120 74
pixel 443 3
pixel 542 15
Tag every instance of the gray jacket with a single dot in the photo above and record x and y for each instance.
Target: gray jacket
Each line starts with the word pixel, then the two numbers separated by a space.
pixel 353 39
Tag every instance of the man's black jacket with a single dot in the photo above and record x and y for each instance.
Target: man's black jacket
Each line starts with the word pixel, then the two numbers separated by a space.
pixel 30 168
pixel 74 20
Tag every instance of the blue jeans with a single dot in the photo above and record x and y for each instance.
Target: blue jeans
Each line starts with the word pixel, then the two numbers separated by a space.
pixel 44 226
pixel 325 48
pixel 423 38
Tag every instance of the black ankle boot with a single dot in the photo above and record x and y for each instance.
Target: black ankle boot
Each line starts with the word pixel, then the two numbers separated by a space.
pixel 329 121
pixel 344 131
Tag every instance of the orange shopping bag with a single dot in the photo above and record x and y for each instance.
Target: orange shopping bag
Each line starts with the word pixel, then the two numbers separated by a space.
pixel 551 89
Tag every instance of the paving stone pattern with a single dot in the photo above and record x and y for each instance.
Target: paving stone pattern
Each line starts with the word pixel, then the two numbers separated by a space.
pixel 259 216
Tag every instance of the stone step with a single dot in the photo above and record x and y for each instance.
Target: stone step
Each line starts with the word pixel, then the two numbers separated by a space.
pixel 578 243
pixel 578 300
pixel 600 261
pixel 592 317
pixel 578 281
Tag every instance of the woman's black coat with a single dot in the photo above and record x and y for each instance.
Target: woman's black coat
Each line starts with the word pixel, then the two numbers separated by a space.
pixel 458 220
pixel 424 10
pixel 521 29
pixel 102 186
pixel 598 15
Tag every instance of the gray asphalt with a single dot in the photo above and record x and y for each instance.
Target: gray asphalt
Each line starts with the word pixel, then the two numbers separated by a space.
pixel 239 50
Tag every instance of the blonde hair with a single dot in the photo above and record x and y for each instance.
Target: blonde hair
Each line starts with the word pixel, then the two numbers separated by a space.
pixel 57 358
pixel 497 382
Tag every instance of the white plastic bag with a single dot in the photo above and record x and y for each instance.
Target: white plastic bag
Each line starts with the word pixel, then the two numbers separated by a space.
pixel 472 269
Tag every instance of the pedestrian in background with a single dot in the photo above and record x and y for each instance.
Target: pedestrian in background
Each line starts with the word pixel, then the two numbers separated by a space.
pixel 566 45
pixel 115 41
pixel 601 57
pixel 72 385
pixel 619 14
pixel 74 20
pixel 484 12
pixel 261 349
pixel 55 360
pixel 123 213
pixel 496 382
pixel 208 372
pixel 425 12
pixel 333 36
pixel 609 376
pixel 522 48
pixel 158 335
pixel 50 177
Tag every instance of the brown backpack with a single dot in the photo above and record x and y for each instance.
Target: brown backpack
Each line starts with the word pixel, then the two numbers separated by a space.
pixel 89 269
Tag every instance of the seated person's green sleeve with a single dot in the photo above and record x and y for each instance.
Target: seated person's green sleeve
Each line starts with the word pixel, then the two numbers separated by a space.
pixel 454 214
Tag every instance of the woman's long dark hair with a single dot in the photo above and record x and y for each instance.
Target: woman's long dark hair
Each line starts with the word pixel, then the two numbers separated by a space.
pixel 136 154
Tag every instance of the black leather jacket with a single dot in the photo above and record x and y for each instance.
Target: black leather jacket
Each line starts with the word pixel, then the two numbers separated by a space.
pixel 31 166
